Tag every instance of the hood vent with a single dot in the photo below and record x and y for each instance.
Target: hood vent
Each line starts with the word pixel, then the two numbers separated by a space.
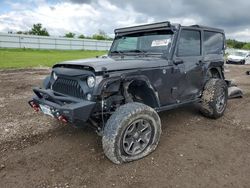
pixel 81 67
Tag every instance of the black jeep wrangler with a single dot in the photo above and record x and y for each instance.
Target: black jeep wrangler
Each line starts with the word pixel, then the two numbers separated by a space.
pixel 149 68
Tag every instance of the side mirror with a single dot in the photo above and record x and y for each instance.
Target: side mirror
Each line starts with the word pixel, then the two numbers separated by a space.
pixel 178 62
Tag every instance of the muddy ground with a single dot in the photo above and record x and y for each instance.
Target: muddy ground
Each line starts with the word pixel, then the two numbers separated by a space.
pixel 37 151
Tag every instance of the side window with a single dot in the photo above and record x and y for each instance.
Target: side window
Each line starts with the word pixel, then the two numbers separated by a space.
pixel 189 43
pixel 213 42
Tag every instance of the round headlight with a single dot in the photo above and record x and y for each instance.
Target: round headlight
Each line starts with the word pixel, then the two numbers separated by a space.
pixel 91 81
pixel 54 76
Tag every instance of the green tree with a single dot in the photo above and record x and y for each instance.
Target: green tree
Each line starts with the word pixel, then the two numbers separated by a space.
pixel 235 44
pixel 22 32
pixel 246 46
pixel 101 35
pixel 81 37
pixel 70 35
pixel 37 29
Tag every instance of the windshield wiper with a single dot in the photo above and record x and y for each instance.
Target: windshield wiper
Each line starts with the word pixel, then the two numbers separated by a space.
pixel 146 53
pixel 117 52
pixel 137 51
pixel 122 53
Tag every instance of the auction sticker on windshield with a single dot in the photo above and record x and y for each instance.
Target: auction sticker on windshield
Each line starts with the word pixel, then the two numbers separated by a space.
pixel 163 42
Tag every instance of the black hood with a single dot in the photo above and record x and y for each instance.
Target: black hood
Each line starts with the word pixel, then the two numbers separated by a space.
pixel 112 64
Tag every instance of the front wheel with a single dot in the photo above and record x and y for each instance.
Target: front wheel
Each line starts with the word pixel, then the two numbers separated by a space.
pixel 214 98
pixel 131 133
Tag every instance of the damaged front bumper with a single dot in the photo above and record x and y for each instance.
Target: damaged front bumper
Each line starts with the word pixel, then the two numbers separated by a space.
pixel 63 107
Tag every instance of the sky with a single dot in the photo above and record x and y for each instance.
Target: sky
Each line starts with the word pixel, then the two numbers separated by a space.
pixel 88 16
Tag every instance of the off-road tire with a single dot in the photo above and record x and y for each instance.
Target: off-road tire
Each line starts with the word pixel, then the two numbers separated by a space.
pixel 117 125
pixel 210 96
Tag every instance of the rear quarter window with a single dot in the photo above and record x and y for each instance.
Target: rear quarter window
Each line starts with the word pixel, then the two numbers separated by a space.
pixel 213 42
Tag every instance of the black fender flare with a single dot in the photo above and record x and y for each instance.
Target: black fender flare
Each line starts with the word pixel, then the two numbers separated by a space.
pixel 219 69
pixel 106 84
pixel 216 65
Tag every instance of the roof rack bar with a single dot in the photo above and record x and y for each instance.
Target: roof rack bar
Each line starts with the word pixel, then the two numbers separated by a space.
pixel 194 25
pixel 143 27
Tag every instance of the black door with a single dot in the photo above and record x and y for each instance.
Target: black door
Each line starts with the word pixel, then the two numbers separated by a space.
pixel 189 55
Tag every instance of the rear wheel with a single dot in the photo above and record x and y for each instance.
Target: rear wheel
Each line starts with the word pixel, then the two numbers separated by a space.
pixel 214 98
pixel 131 133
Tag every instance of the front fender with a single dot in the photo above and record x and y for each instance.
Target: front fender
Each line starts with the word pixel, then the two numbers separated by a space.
pixel 46 82
pixel 114 84
pixel 108 85
pixel 134 78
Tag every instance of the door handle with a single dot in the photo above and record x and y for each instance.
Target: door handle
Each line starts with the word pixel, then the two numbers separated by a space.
pixel 200 62
pixel 178 62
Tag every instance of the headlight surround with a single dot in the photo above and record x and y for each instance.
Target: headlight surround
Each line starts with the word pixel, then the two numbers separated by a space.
pixel 91 81
pixel 54 76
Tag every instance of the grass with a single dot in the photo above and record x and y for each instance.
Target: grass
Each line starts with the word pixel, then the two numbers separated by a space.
pixel 27 58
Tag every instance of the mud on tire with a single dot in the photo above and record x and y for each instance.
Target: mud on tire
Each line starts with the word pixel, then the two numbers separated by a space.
pixel 125 127
pixel 214 98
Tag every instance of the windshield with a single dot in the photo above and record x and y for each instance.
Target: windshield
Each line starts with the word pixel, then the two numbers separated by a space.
pixel 241 54
pixel 157 42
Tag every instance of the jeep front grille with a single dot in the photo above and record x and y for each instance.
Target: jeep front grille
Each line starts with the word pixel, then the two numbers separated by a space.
pixel 68 87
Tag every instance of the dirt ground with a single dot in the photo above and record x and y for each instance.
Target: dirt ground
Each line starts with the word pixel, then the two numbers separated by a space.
pixel 38 151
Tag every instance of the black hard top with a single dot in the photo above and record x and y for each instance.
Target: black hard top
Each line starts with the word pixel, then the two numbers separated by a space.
pixel 207 28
